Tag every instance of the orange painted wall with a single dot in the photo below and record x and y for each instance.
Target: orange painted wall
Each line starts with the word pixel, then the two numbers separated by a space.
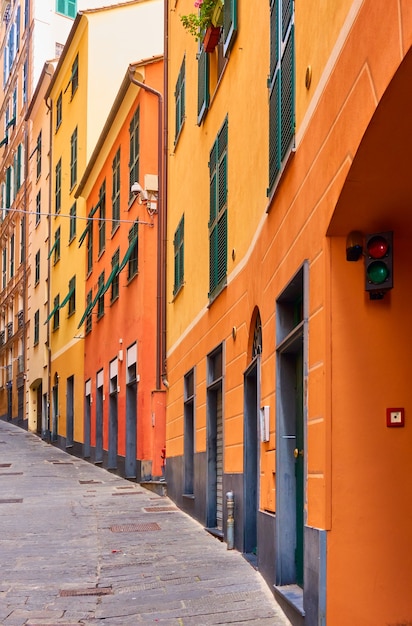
pixel 132 317
pixel 357 470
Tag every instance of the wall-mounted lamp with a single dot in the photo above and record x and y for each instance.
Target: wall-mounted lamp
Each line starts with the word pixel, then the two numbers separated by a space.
pixel 354 246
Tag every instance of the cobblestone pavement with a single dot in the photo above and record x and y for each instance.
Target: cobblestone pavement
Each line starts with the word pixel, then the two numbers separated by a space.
pixel 79 545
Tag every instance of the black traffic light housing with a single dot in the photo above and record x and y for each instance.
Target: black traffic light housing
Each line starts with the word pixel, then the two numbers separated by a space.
pixel 378 264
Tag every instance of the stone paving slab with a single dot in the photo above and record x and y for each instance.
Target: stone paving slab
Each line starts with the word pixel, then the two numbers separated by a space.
pixel 80 545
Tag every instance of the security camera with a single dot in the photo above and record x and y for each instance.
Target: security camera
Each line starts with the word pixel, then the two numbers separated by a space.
pixel 136 189
pixel 139 193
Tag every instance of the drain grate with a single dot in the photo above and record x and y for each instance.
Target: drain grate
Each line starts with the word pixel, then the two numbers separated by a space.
pixel 62 463
pixel 88 591
pixel 11 473
pixel 11 500
pixel 154 509
pixel 5 464
pixel 135 528
pixel 127 493
pixel 90 482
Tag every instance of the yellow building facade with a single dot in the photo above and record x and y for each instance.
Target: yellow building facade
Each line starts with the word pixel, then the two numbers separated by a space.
pixel 80 96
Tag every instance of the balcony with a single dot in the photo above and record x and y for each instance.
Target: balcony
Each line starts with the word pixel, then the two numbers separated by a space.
pixel 20 364
pixel 2 337
pixel 9 330
pixel 20 319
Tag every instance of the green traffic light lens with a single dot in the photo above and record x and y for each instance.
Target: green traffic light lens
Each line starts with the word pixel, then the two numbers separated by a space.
pixel 378 272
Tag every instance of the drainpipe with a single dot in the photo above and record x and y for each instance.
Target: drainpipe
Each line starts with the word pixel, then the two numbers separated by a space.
pixel 48 425
pixel 161 240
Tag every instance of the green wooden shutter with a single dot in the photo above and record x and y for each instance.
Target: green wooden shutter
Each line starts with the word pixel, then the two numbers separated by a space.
pixel 203 85
pixel 281 85
pixel 287 95
pixel 229 24
pixel 218 212
pixel 180 100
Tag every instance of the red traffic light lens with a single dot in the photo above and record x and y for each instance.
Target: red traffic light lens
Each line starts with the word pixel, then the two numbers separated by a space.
pixel 378 272
pixel 378 247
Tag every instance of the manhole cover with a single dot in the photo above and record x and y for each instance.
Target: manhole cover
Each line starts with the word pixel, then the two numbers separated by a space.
pixel 88 591
pixel 135 528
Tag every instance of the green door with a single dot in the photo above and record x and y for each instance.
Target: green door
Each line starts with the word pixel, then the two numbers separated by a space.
pixel 299 470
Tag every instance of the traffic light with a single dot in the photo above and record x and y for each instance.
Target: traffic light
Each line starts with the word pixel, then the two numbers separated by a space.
pixel 378 264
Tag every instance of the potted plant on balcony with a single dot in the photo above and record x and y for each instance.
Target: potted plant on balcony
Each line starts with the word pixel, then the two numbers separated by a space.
pixel 206 23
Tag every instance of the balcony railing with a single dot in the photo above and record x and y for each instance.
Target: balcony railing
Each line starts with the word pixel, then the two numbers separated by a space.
pixel 9 373
pixel 2 337
pixel 9 330
pixel 20 319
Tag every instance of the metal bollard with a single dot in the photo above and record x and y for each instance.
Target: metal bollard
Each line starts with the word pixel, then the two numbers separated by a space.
pixel 230 525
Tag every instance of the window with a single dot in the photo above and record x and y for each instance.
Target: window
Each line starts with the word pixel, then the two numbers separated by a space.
pixel 4 268
pixel 133 251
pixel 24 83
pixel 67 7
pixel 281 87
pixel 102 221
pixel 58 187
pixel 72 296
pixel 74 78
pixel 56 312
pixel 23 239
pixel 36 327
pixel 56 246
pixel 178 245
pixel 229 31
pixel 116 191
pixel 134 151
pixel 38 207
pixel 89 299
pixel 18 164
pixel 73 158
pixel 89 248
pixel 37 268
pixel 115 271
pixel 218 212
pixel 72 226
pixel 100 300
pixel 12 256
pixel 189 438
pixel 38 156
pixel 59 110
pixel 180 100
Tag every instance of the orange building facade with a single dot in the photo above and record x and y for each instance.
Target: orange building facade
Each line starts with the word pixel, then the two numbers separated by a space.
pixel 286 372
pixel 124 406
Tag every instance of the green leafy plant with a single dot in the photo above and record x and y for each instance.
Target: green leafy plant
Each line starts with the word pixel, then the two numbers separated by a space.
pixel 197 23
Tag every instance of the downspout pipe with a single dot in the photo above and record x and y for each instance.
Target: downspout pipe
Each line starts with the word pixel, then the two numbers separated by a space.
pixel 161 282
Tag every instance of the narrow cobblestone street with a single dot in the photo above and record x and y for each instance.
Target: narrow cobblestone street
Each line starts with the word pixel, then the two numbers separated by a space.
pixel 80 545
